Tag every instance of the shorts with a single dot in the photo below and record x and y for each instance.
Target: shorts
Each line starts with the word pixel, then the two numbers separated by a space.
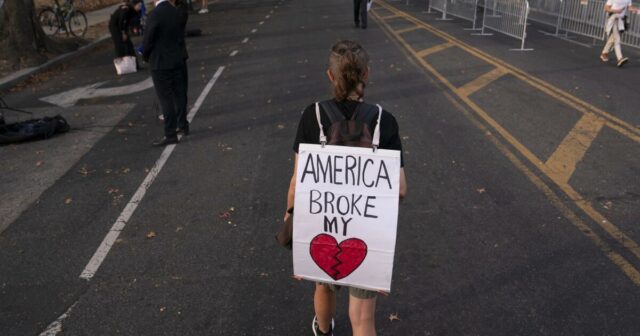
pixel 355 292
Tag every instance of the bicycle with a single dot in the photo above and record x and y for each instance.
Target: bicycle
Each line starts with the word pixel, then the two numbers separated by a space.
pixel 65 18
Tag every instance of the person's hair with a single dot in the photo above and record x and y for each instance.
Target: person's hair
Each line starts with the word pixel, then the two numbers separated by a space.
pixel 348 63
pixel 133 3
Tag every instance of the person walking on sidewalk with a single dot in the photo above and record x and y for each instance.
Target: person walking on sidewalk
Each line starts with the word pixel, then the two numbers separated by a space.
pixel 205 7
pixel 164 48
pixel 360 13
pixel 120 24
pixel 348 72
pixel 615 25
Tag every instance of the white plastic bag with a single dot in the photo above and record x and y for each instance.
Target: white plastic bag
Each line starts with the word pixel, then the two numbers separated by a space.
pixel 369 4
pixel 125 65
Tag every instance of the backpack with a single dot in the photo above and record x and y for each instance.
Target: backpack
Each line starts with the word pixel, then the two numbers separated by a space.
pixel 354 132
pixel 34 129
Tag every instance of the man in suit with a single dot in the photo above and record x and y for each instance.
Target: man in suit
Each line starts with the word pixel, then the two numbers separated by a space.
pixel 164 49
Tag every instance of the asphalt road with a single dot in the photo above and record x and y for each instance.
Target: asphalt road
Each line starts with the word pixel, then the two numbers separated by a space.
pixel 521 218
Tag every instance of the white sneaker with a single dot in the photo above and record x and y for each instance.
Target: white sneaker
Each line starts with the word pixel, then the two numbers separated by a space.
pixel 203 11
pixel 316 328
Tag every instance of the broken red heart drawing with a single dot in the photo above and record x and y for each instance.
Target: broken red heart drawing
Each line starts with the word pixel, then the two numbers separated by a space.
pixel 337 260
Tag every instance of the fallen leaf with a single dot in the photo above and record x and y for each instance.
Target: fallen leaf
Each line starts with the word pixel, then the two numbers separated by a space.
pixel 179 228
pixel 608 205
pixel 280 126
pixel 39 163
pixel 232 209
pixel 83 171
pixel 224 215
pixel 126 170
pixel 151 235
pixel 68 200
pixel 162 309
pixel 481 190
pixel 394 317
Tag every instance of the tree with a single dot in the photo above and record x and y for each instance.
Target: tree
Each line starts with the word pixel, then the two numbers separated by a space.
pixel 22 41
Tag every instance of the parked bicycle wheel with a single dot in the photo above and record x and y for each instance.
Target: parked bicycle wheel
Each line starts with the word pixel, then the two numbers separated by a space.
pixel 49 21
pixel 78 24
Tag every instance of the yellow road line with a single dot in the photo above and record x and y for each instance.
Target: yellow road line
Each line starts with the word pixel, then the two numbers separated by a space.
pixel 562 163
pixel 482 81
pixel 406 30
pixel 395 15
pixel 605 224
pixel 623 264
pixel 434 49
pixel 565 97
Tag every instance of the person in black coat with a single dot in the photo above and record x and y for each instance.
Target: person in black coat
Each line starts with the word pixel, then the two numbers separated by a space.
pixel 119 25
pixel 165 50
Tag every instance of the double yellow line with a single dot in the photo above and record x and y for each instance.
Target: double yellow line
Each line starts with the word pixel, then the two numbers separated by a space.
pixel 561 164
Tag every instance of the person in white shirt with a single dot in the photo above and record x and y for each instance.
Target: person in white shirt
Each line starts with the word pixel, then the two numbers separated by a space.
pixel 615 25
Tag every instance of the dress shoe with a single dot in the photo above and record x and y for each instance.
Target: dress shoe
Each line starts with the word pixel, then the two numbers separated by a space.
pixel 184 131
pixel 165 141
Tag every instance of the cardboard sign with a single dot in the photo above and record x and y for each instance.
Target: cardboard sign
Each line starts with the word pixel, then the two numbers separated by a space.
pixel 346 215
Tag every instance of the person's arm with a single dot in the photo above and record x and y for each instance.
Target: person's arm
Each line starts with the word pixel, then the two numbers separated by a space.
pixel 292 188
pixel 148 41
pixel 608 8
pixel 403 184
pixel 124 23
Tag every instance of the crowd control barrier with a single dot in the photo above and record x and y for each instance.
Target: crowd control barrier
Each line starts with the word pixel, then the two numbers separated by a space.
pixel 585 18
pixel 508 17
pixel 548 12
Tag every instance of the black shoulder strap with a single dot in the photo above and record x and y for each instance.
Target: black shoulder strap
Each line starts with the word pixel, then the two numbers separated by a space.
pixel 366 113
pixel 332 110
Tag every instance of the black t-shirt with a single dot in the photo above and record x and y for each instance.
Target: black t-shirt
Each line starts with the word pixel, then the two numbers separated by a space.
pixel 309 132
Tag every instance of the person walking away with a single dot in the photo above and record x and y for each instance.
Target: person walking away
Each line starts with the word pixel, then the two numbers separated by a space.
pixel 120 24
pixel 360 13
pixel 348 72
pixel 615 25
pixel 183 17
pixel 205 7
pixel 164 49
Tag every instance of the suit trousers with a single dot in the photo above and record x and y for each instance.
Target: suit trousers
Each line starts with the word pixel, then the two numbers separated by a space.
pixel 360 12
pixel 171 89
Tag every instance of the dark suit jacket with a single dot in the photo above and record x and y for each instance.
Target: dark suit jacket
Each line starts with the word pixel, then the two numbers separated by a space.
pixel 164 44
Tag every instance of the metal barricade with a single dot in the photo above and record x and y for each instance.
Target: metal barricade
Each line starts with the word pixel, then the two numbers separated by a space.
pixel 464 9
pixel 508 17
pixel 440 6
pixel 547 12
pixel 631 36
pixel 586 18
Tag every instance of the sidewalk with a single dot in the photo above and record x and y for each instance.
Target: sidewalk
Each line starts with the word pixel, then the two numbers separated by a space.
pixel 93 18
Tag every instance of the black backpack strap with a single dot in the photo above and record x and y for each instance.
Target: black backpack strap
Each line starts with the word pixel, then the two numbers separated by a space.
pixel 332 110
pixel 368 113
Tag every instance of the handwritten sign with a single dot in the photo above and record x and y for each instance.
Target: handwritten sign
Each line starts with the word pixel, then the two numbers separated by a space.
pixel 346 215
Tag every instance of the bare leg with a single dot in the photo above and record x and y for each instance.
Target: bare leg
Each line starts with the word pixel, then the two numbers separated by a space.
pixel 324 302
pixel 362 315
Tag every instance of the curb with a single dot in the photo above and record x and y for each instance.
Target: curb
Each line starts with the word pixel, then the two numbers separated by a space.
pixel 24 74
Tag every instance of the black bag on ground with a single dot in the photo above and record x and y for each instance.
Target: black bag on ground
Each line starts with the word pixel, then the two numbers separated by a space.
pixel 34 129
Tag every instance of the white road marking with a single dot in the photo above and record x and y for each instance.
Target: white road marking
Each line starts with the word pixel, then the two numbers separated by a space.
pixel 246 39
pixel 261 23
pixel 253 31
pixel 69 98
pixel 268 16
pixel 108 241
pixel 56 326
pixel 233 53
